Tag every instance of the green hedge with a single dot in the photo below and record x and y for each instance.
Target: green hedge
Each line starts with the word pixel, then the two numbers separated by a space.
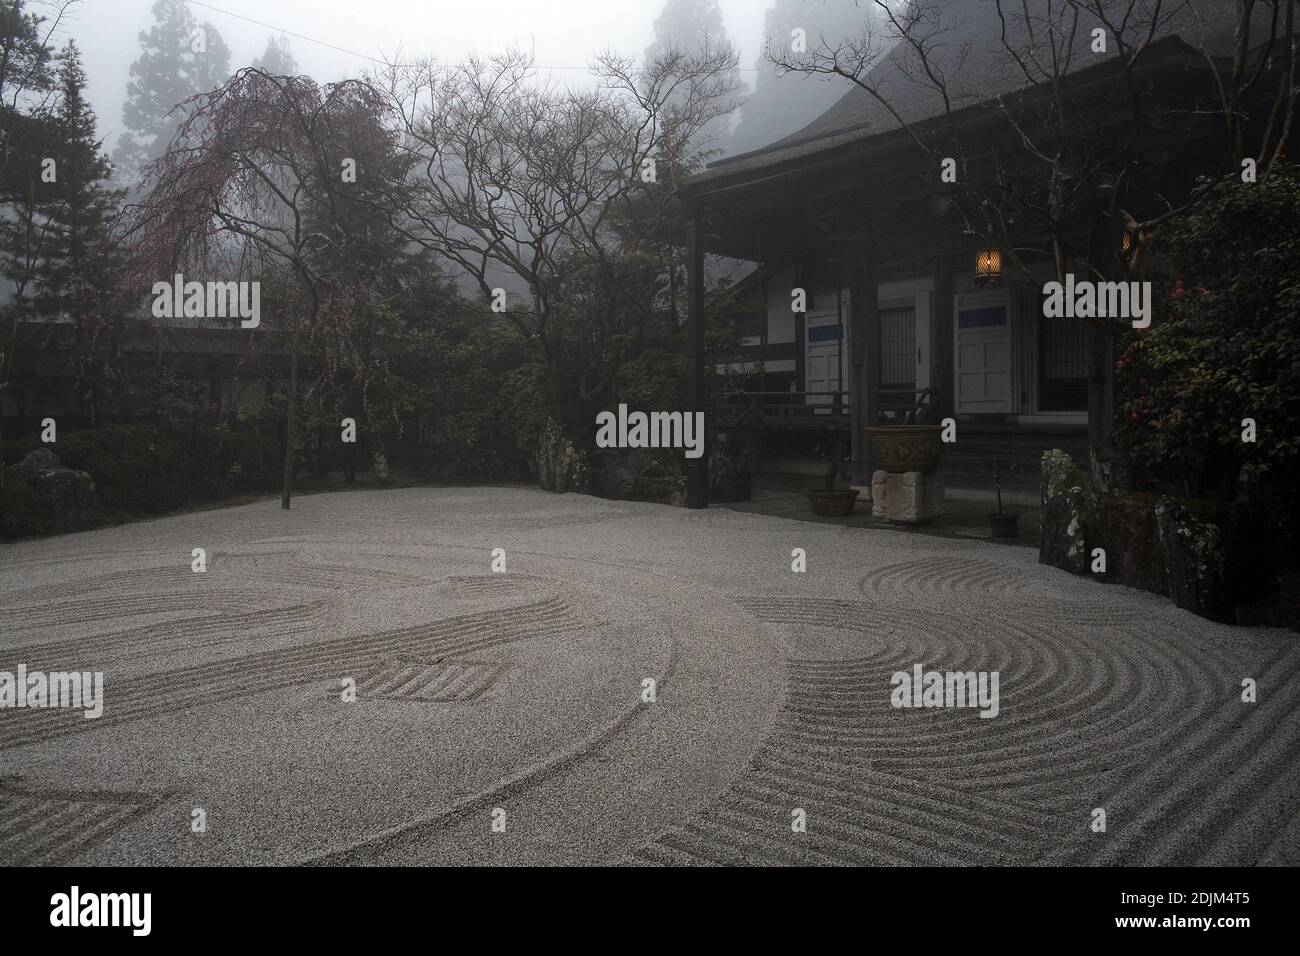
pixel 143 470
pixel 24 511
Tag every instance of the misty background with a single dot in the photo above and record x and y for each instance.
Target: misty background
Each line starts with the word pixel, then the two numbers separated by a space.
pixel 335 39
pixel 143 139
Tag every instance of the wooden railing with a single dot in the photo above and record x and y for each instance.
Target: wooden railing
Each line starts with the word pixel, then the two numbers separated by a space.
pixel 831 409
pixel 792 409
pixel 907 406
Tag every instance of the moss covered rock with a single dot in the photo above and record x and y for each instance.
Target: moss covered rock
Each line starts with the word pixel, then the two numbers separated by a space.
pixel 561 466
pixel 1194 550
pixel 1070 519
pixel 1130 535
pixel 42 497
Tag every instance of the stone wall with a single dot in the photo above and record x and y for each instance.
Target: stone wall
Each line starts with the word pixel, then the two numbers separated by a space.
pixel 1206 556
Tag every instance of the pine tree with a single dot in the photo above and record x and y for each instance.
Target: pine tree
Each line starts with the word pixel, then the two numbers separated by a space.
pixel 27 138
pixel 785 104
pixel 79 205
pixel 24 80
pixel 687 25
pixel 278 58
pixel 75 277
pixel 26 90
pixel 179 58
pixel 56 206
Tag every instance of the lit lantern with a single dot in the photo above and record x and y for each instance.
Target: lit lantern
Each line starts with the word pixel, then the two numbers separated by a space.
pixel 988 266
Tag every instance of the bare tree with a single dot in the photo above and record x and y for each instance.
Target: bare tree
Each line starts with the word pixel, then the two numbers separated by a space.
pixel 518 180
pixel 1077 170
pixel 1066 149
pixel 253 185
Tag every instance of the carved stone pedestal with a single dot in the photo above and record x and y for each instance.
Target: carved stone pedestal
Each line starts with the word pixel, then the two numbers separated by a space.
pixel 910 496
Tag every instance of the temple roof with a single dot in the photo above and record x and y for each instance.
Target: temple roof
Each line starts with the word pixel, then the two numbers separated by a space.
pixel 967 50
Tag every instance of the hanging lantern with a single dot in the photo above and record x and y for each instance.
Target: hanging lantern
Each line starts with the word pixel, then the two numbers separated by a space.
pixel 988 266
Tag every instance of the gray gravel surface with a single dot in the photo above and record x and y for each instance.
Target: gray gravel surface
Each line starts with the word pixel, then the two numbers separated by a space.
pixel 518 697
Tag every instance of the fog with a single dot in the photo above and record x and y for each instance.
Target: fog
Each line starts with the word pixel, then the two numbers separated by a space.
pixel 332 39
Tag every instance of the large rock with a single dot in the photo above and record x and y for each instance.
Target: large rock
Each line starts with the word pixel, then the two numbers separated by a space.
pixel 1206 556
pixel 383 475
pixel 663 491
pixel 41 461
pixel 1069 519
pixel 1130 535
pixel 1194 548
pixel 560 466
pixel 613 469
pixel 42 497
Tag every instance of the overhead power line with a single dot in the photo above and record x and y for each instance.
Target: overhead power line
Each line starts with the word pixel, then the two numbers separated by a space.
pixel 365 56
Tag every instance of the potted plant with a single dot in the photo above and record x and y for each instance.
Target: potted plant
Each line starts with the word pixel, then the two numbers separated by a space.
pixel 913 444
pixel 901 448
pixel 1001 524
pixel 729 477
pixel 829 501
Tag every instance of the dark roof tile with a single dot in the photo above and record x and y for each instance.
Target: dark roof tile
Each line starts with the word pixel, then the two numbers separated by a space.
pixel 967 50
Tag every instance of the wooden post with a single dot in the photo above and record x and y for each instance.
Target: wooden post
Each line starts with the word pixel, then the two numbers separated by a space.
pixel 762 317
pixel 1100 350
pixel 857 380
pixel 839 343
pixel 1101 397
pixel 291 421
pixel 871 364
pixel 761 431
pixel 799 280
pixel 697 469
pixel 941 344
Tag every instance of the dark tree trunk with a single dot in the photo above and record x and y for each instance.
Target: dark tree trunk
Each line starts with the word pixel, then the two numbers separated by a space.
pixel 291 422
pixel 1101 395
pixel 1100 348
pixel 697 470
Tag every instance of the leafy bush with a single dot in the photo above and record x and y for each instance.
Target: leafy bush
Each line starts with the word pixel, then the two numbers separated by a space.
pixel 23 510
pixel 1225 343
pixel 141 470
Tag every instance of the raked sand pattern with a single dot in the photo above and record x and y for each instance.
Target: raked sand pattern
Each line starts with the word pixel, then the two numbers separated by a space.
pixel 522 692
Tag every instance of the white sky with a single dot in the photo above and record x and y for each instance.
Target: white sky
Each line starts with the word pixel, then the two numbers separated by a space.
pixel 563 33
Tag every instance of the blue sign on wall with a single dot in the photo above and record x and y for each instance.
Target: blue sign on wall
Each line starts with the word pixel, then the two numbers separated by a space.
pixel 992 315
pixel 824 333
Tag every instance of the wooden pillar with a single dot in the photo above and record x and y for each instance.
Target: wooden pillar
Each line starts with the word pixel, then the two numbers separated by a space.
pixel 838 404
pixel 697 469
pixel 1101 390
pixel 870 361
pixel 941 334
pixel 1100 346
pixel 762 317
pixel 799 280
pixel 857 336
pixel 761 432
